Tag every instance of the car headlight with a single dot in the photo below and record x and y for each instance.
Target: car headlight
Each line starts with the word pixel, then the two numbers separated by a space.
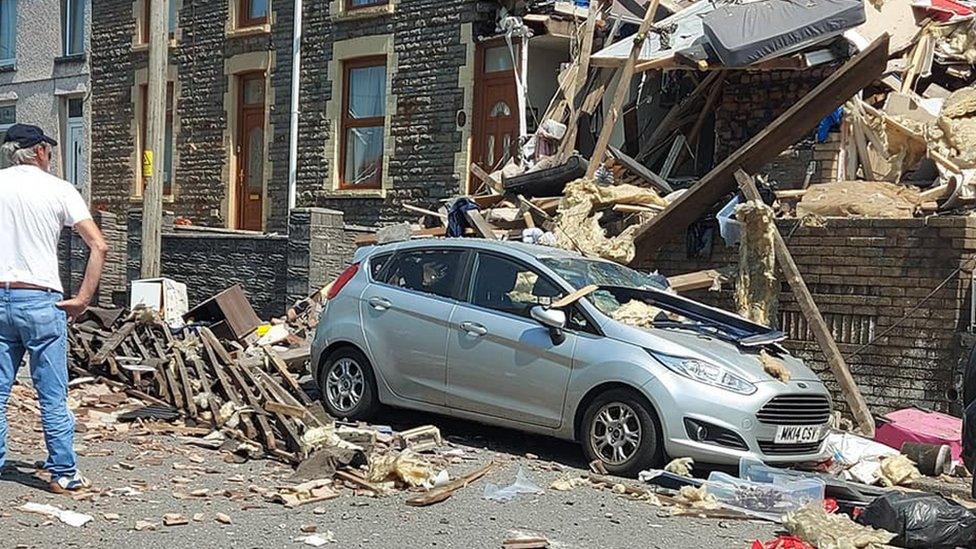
pixel 705 372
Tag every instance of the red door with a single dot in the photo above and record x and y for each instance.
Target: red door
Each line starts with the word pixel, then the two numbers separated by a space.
pixel 250 154
pixel 496 122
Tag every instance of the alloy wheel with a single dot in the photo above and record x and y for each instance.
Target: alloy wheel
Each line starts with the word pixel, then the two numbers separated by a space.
pixel 615 434
pixel 344 384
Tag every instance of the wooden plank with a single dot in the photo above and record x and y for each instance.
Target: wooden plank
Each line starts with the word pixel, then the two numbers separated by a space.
pixel 282 370
pixel 568 143
pixel 275 407
pixel 573 297
pixel 486 178
pixel 482 227
pixel 862 414
pixel 270 442
pixel 643 172
pixel 424 211
pixel 438 495
pixel 790 126
pixel 109 347
pixel 623 90
pixel 209 340
pixel 698 280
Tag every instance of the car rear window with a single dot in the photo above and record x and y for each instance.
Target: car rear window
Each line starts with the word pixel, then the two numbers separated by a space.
pixel 430 271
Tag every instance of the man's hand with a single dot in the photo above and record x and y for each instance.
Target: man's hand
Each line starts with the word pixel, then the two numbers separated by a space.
pixel 73 307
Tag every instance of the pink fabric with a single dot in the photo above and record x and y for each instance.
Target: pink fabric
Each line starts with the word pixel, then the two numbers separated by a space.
pixel 914 425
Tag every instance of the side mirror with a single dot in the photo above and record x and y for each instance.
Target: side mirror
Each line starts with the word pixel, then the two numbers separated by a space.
pixel 554 319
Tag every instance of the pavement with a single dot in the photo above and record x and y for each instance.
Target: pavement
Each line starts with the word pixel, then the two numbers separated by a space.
pixel 141 475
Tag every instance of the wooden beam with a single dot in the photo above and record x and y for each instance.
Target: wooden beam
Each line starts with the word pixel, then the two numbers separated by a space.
pixel 478 222
pixel 790 126
pixel 440 494
pixel 814 319
pixel 698 280
pixel 623 90
pixel 568 143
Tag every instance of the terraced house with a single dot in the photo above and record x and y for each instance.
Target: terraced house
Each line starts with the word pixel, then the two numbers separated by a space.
pixel 394 99
pixel 44 76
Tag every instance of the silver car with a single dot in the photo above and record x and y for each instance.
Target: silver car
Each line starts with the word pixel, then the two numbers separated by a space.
pixel 465 327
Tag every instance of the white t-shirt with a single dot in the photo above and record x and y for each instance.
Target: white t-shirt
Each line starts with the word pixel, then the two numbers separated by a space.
pixel 34 206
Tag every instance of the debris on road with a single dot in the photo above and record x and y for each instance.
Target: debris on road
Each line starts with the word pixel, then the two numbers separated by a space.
pixel 522 485
pixel 71 518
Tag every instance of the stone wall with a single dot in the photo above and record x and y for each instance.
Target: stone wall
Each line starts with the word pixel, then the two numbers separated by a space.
pixel 275 270
pixel 870 278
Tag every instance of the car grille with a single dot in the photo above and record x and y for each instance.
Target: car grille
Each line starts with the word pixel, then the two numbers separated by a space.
pixel 729 439
pixel 795 410
pixel 773 449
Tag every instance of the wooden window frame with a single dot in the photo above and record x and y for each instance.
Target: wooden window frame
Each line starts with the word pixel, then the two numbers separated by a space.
pixel 144 31
pixel 347 122
pixel 349 6
pixel 244 20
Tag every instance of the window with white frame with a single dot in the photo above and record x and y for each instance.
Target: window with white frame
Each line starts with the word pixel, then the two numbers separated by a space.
pixel 73 26
pixel 8 31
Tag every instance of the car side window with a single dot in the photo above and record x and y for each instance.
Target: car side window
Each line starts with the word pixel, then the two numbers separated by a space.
pixel 377 263
pixel 430 271
pixel 504 285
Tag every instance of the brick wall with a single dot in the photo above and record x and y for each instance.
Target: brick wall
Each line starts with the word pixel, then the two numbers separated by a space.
pixel 865 275
pixel 751 100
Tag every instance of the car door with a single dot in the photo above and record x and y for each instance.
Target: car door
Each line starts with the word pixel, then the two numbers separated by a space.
pixel 500 361
pixel 405 316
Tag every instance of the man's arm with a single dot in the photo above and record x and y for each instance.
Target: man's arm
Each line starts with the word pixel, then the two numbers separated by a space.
pixel 92 236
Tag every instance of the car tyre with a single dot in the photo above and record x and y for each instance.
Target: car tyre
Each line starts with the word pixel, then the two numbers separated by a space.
pixel 348 385
pixel 620 429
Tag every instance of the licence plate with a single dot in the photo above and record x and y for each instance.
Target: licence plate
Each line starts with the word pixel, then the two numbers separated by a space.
pixel 797 434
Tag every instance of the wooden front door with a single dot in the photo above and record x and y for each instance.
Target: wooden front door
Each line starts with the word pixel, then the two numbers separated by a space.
pixel 250 153
pixel 496 121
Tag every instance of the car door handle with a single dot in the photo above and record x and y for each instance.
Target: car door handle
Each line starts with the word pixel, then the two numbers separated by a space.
pixel 380 303
pixel 473 328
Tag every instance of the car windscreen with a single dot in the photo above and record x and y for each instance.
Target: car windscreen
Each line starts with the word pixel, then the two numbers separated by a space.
pixel 581 272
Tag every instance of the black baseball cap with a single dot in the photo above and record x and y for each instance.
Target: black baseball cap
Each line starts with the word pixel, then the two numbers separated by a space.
pixel 26 136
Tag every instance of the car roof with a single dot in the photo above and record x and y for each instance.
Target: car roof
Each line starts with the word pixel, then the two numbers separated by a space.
pixel 505 246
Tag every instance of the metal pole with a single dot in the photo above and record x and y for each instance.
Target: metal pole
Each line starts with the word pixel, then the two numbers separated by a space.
pixel 153 155
pixel 296 66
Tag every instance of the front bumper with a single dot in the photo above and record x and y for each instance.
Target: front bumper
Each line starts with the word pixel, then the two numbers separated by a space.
pixel 679 399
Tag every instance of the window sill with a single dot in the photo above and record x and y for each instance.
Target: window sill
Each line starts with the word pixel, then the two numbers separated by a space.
pixel 71 58
pixel 167 199
pixel 144 46
pixel 249 31
pixel 355 193
pixel 363 13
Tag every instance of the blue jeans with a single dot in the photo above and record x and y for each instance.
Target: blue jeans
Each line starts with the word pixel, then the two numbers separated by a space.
pixel 30 321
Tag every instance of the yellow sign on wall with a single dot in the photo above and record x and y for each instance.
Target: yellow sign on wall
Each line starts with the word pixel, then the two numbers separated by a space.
pixel 147 163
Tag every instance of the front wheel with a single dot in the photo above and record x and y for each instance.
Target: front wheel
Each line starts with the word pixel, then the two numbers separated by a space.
pixel 348 386
pixel 620 430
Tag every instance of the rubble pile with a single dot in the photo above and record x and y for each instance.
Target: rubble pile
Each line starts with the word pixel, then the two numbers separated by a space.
pixel 253 400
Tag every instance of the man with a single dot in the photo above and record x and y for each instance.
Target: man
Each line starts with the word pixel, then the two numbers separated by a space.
pixel 34 206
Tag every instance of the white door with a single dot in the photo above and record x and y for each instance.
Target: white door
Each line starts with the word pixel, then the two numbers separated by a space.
pixel 74 147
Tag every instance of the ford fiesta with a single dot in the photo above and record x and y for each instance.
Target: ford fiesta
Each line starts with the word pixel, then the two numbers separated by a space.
pixel 478 330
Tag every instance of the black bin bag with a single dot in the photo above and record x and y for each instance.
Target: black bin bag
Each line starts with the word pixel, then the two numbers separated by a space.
pixel 921 520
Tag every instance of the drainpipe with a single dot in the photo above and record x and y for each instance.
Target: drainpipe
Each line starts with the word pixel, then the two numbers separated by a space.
pixel 296 65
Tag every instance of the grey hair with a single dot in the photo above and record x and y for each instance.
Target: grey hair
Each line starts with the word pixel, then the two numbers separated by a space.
pixel 12 155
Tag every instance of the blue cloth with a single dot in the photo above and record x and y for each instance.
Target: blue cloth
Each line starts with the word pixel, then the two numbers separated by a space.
pixel 456 220
pixel 828 123
pixel 30 321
